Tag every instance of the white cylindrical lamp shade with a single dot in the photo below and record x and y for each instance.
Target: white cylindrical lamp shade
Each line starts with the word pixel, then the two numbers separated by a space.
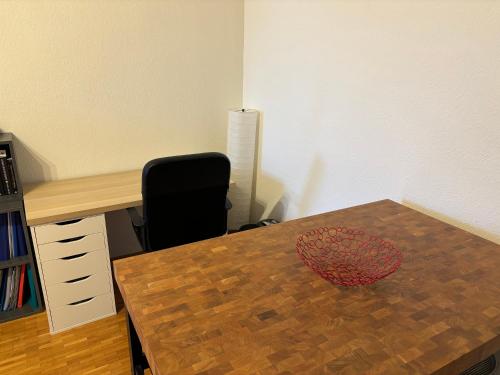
pixel 241 134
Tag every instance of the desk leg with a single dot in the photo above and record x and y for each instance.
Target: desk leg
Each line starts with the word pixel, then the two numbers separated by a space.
pixel 138 360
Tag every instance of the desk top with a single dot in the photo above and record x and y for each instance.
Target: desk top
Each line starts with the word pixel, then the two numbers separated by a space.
pixel 245 302
pixel 52 201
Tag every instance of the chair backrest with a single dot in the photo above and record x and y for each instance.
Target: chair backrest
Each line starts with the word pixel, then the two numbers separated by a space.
pixel 184 199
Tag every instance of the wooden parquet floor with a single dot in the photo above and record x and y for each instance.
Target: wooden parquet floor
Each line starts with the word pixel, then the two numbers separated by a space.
pixel 101 347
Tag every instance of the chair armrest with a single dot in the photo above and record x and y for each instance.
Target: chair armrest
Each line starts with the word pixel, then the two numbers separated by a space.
pixel 138 225
pixel 229 205
pixel 136 219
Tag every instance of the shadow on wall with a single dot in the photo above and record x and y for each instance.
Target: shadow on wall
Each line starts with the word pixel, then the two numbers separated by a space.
pixel 256 161
pixel 284 204
pixel 32 166
pixel 310 190
pixel 469 228
pixel 278 208
pixel 273 208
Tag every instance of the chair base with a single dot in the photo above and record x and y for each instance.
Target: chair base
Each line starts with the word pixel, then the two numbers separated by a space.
pixel 138 360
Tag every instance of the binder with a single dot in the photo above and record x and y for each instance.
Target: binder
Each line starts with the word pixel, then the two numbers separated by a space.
pixel 21 287
pixel 20 248
pixel 32 299
pixel 15 287
pixel 10 235
pixel 13 225
pixel 12 288
pixel 12 175
pixel 4 239
pixel 4 174
pixel 3 288
pixel 3 188
pixel 8 290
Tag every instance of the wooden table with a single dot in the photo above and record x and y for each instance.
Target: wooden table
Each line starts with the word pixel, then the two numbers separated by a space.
pixel 245 303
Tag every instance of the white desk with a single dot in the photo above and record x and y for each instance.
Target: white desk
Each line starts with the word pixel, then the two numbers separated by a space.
pixel 68 228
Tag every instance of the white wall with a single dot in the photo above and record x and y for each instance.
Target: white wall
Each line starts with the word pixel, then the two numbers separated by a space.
pixel 92 87
pixel 361 100
pixel 365 100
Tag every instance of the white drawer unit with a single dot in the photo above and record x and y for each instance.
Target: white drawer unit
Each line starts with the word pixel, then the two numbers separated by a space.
pixel 75 271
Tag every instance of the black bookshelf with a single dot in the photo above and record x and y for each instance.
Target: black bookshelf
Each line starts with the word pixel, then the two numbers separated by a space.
pixel 14 203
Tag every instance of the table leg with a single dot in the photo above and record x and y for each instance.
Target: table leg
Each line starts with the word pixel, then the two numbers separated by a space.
pixel 138 360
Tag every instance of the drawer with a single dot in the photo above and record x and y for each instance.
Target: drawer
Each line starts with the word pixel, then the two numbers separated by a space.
pixel 71 315
pixel 78 289
pixel 69 229
pixel 64 269
pixel 72 246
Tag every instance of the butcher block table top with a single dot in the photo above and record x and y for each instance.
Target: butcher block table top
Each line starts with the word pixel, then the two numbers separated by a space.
pixel 245 303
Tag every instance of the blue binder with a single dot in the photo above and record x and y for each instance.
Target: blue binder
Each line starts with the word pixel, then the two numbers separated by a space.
pixel 18 234
pixel 3 284
pixel 8 288
pixel 4 238
pixel 32 298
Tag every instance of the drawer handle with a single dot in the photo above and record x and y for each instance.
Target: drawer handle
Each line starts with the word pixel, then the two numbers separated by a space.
pixel 74 256
pixel 82 301
pixel 69 222
pixel 72 239
pixel 78 279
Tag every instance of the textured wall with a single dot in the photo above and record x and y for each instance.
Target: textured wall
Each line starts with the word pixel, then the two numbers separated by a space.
pixel 364 100
pixel 93 87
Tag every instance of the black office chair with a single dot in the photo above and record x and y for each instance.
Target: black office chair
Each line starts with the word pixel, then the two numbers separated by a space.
pixel 184 200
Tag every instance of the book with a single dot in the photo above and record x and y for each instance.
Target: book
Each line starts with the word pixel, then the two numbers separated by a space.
pixel 26 291
pixel 21 287
pixel 2 182
pixel 10 235
pixel 3 287
pixel 3 172
pixel 8 290
pixel 20 248
pixel 13 225
pixel 12 276
pixel 32 299
pixel 11 287
pixel 15 287
pixel 4 238
pixel 12 175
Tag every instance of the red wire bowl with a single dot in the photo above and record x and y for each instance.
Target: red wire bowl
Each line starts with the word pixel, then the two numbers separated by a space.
pixel 346 256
